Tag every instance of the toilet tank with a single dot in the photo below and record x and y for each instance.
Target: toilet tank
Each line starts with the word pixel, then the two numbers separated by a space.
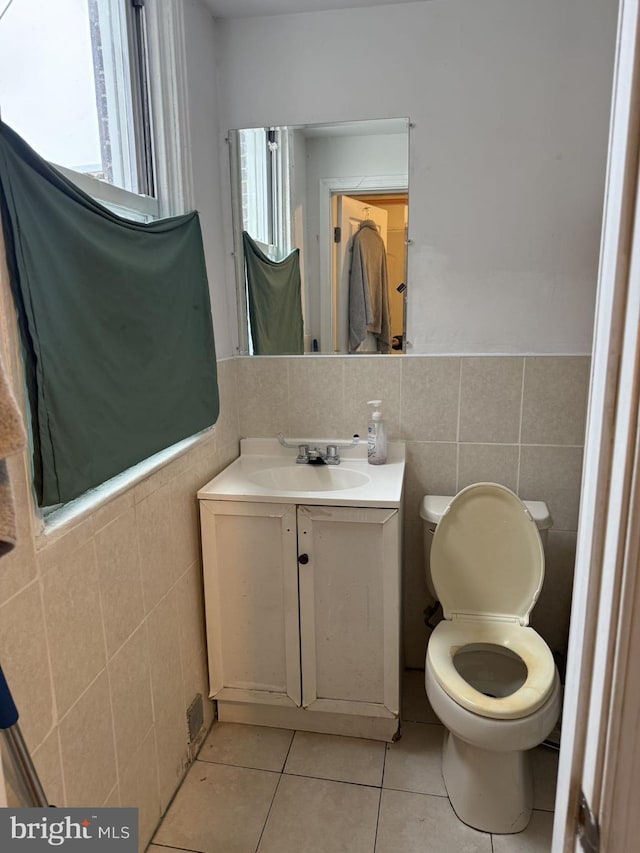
pixel 433 506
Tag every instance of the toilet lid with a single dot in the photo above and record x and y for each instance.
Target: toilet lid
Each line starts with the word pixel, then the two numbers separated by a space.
pixel 487 559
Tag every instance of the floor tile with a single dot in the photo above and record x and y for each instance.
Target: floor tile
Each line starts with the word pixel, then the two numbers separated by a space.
pixel 415 705
pixel 414 763
pixel 258 747
pixel 545 773
pixel 328 798
pixel 155 848
pixel 343 759
pixel 536 838
pixel 218 809
pixel 320 816
pixel 414 823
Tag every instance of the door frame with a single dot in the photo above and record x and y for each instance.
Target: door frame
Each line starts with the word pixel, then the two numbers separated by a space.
pixel 602 697
pixel 341 266
pixel 343 186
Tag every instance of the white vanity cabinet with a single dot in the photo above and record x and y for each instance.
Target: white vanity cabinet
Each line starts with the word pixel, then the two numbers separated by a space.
pixel 303 615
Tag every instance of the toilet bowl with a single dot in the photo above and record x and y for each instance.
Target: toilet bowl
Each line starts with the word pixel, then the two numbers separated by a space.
pixel 490 678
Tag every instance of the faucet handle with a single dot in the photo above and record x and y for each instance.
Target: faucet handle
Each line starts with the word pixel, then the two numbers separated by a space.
pixel 332 457
pixel 303 453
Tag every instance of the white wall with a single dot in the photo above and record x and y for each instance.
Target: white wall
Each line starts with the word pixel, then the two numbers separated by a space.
pixel 510 102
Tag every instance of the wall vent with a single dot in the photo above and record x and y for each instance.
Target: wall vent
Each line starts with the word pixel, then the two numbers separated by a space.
pixel 195 718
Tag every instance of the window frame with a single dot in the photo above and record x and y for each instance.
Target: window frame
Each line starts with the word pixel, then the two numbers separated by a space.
pixel 141 208
pixel 129 81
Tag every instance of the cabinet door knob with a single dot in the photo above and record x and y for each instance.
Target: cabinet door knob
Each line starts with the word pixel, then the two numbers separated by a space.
pixel 303 559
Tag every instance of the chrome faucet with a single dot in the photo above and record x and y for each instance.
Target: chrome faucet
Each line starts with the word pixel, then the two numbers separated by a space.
pixel 314 455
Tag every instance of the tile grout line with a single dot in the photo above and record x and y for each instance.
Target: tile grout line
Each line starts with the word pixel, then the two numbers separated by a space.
pixel 239 766
pixel 329 779
pixel 284 763
pixel 56 719
pixel 524 375
pixel 384 765
pixel 266 820
pixel 419 793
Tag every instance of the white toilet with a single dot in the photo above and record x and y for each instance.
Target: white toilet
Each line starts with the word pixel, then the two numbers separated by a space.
pixel 490 678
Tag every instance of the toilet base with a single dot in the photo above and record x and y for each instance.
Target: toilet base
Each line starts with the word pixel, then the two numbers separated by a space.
pixel 489 790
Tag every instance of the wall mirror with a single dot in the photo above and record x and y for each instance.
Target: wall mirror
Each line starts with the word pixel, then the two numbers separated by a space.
pixel 304 197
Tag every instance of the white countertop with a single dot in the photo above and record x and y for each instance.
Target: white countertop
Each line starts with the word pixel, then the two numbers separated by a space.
pixel 383 486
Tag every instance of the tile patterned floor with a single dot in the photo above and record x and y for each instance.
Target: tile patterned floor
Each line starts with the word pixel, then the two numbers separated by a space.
pixel 261 790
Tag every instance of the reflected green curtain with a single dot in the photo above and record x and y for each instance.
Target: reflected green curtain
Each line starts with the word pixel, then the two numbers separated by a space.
pixel 275 301
pixel 115 325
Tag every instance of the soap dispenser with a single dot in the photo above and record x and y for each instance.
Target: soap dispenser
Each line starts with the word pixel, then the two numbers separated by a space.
pixel 376 436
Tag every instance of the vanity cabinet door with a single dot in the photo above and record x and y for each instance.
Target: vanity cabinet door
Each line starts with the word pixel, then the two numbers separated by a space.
pixel 251 601
pixel 350 609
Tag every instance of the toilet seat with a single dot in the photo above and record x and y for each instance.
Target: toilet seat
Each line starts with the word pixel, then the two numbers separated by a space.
pixel 450 636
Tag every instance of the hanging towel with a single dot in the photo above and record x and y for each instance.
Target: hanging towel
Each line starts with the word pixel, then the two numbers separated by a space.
pixel 275 301
pixel 115 325
pixel 368 292
pixel 12 440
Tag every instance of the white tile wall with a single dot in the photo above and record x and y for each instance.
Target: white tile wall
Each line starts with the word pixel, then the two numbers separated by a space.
pixel 102 633
pixel 101 627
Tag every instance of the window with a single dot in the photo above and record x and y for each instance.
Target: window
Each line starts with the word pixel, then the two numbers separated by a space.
pixel 261 204
pixel 263 159
pixel 73 84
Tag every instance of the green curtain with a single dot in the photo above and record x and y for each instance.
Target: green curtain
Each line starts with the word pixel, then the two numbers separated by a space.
pixel 275 302
pixel 115 325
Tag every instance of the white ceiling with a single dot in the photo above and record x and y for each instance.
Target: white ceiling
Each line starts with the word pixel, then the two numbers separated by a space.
pixel 250 8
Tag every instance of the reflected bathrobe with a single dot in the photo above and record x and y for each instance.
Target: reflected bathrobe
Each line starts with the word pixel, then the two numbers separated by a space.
pixel 368 292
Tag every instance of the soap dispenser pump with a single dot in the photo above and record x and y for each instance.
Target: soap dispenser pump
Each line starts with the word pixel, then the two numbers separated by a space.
pixel 376 436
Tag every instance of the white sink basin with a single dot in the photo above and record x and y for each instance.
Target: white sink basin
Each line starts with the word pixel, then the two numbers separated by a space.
pixel 265 471
pixel 310 478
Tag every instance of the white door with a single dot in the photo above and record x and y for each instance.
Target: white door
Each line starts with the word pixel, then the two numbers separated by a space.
pixel 599 757
pixel 350 609
pixel 351 215
pixel 251 601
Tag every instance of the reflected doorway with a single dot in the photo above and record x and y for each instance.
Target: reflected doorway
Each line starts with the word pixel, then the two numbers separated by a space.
pixel 389 211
